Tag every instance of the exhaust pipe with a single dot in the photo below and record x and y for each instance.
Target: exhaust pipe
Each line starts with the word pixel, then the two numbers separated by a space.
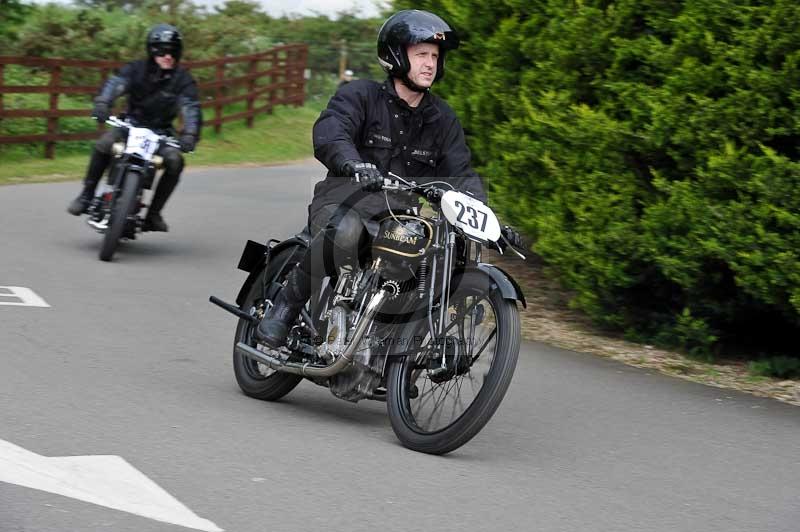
pixel 311 370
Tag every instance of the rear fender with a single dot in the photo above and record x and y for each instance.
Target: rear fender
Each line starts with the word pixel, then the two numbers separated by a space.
pixel 255 255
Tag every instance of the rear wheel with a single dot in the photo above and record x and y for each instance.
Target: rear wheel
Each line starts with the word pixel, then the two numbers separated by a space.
pixel 256 379
pixel 442 392
pixel 122 208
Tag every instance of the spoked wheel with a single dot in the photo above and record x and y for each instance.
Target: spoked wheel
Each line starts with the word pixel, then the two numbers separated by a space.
pixel 256 379
pixel 443 392
pixel 123 206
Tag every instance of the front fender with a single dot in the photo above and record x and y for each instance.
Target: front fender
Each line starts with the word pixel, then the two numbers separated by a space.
pixel 254 259
pixel 508 287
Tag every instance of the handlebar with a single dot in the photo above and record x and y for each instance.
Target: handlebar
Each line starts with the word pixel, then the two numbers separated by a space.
pixel 429 191
pixel 434 196
pixel 126 124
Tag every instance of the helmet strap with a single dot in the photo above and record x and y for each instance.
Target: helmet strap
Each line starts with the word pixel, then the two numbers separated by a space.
pixel 405 80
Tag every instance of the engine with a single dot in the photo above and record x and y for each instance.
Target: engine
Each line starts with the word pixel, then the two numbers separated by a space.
pixel 360 379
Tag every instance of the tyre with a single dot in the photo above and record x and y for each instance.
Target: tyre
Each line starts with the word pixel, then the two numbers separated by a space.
pixel 123 206
pixel 255 378
pixel 440 394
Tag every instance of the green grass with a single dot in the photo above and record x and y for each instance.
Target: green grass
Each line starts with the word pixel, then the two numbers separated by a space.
pixel 781 367
pixel 280 137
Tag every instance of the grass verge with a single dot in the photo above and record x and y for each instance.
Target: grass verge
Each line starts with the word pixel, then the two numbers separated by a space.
pixel 280 137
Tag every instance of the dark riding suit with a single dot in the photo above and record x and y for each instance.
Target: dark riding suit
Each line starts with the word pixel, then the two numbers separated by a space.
pixel 155 97
pixel 367 121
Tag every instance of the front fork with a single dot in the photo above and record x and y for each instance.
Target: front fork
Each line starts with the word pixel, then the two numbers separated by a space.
pixel 437 331
pixel 450 255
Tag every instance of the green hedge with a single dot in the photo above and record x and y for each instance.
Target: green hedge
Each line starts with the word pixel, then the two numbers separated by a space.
pixel 650 149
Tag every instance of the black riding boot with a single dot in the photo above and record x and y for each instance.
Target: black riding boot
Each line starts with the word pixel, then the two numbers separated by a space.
pixel 153 221
pixel 274 328
pixel 336 243
pixel 97 165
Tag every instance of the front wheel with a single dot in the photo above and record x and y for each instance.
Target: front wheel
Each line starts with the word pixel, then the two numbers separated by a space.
pixel 122 207
pixel 441 392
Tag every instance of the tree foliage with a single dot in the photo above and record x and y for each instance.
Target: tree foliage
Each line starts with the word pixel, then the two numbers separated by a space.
pixel 115 29
pixel 650 149
pixel 12 13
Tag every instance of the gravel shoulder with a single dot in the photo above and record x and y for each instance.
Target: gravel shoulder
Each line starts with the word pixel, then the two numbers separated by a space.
pixel 549 319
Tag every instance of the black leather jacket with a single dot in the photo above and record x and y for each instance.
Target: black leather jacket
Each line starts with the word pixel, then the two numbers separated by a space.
pixel 367 121
pixel 155 96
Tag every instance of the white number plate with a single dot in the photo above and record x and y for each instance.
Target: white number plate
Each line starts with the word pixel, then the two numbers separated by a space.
pixel 471 216
pixel 142 142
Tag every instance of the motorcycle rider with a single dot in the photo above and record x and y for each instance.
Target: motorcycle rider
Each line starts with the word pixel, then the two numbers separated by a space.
pixel 368 130
pixel 158 89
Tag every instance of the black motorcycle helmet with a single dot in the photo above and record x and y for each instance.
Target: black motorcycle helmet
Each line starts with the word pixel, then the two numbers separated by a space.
pixel 413 26
pixel 164 38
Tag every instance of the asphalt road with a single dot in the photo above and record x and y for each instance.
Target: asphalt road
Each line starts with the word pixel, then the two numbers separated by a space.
pixel 131 360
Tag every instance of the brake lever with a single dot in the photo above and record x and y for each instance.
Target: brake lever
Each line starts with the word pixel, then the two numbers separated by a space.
pixel 510 246
pixel 172 142
pixel 397 181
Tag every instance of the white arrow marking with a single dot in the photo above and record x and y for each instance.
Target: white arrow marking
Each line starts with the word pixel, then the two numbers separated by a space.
pixel 21 297
pixel 105 480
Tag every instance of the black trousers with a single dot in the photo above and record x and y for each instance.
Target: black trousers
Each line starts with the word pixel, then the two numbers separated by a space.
pixel 340 237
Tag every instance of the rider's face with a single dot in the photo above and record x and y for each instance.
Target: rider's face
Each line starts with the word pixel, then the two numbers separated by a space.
pixel 423 58
pixel 165 62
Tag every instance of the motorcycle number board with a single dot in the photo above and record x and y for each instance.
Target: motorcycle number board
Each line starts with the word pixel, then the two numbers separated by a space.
pixel 470 215
pixel 142 142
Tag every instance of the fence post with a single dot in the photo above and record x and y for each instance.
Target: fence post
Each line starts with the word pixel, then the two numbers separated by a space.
pixel 303 80
pixel 2 82
pixel 271 93
pixel 292 77
pixel 218 96
pixel 299 77
pixel 282 59
pixel 52 120
pixel 251 87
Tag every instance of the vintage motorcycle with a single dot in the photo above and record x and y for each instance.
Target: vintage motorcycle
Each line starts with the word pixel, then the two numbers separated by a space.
pixel 116 207
pixel 421 324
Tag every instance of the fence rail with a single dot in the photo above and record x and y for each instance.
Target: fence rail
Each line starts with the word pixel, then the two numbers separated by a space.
pixel 263 80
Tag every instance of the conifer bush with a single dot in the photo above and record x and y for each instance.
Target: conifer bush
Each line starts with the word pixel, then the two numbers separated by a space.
pixel 650 150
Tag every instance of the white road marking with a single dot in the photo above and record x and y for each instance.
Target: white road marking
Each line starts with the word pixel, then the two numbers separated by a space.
pixel 21 297
pixel 104 480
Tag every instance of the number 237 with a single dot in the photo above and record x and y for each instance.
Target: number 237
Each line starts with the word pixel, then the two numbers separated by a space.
pixel 471 216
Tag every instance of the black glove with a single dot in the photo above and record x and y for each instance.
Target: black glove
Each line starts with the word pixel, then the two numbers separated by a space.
pixel 187 142
pixel 511 236
pixel 365 174
pixel 101 111
pixel 434 195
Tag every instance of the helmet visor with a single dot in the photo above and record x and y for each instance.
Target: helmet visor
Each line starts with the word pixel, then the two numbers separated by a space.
pixel 447 40
pixel 161 50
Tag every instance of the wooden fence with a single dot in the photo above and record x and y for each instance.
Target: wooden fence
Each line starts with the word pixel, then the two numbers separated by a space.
pixel 262 81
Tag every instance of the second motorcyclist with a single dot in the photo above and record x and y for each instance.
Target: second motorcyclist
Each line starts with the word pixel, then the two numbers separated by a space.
pixel 158 89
